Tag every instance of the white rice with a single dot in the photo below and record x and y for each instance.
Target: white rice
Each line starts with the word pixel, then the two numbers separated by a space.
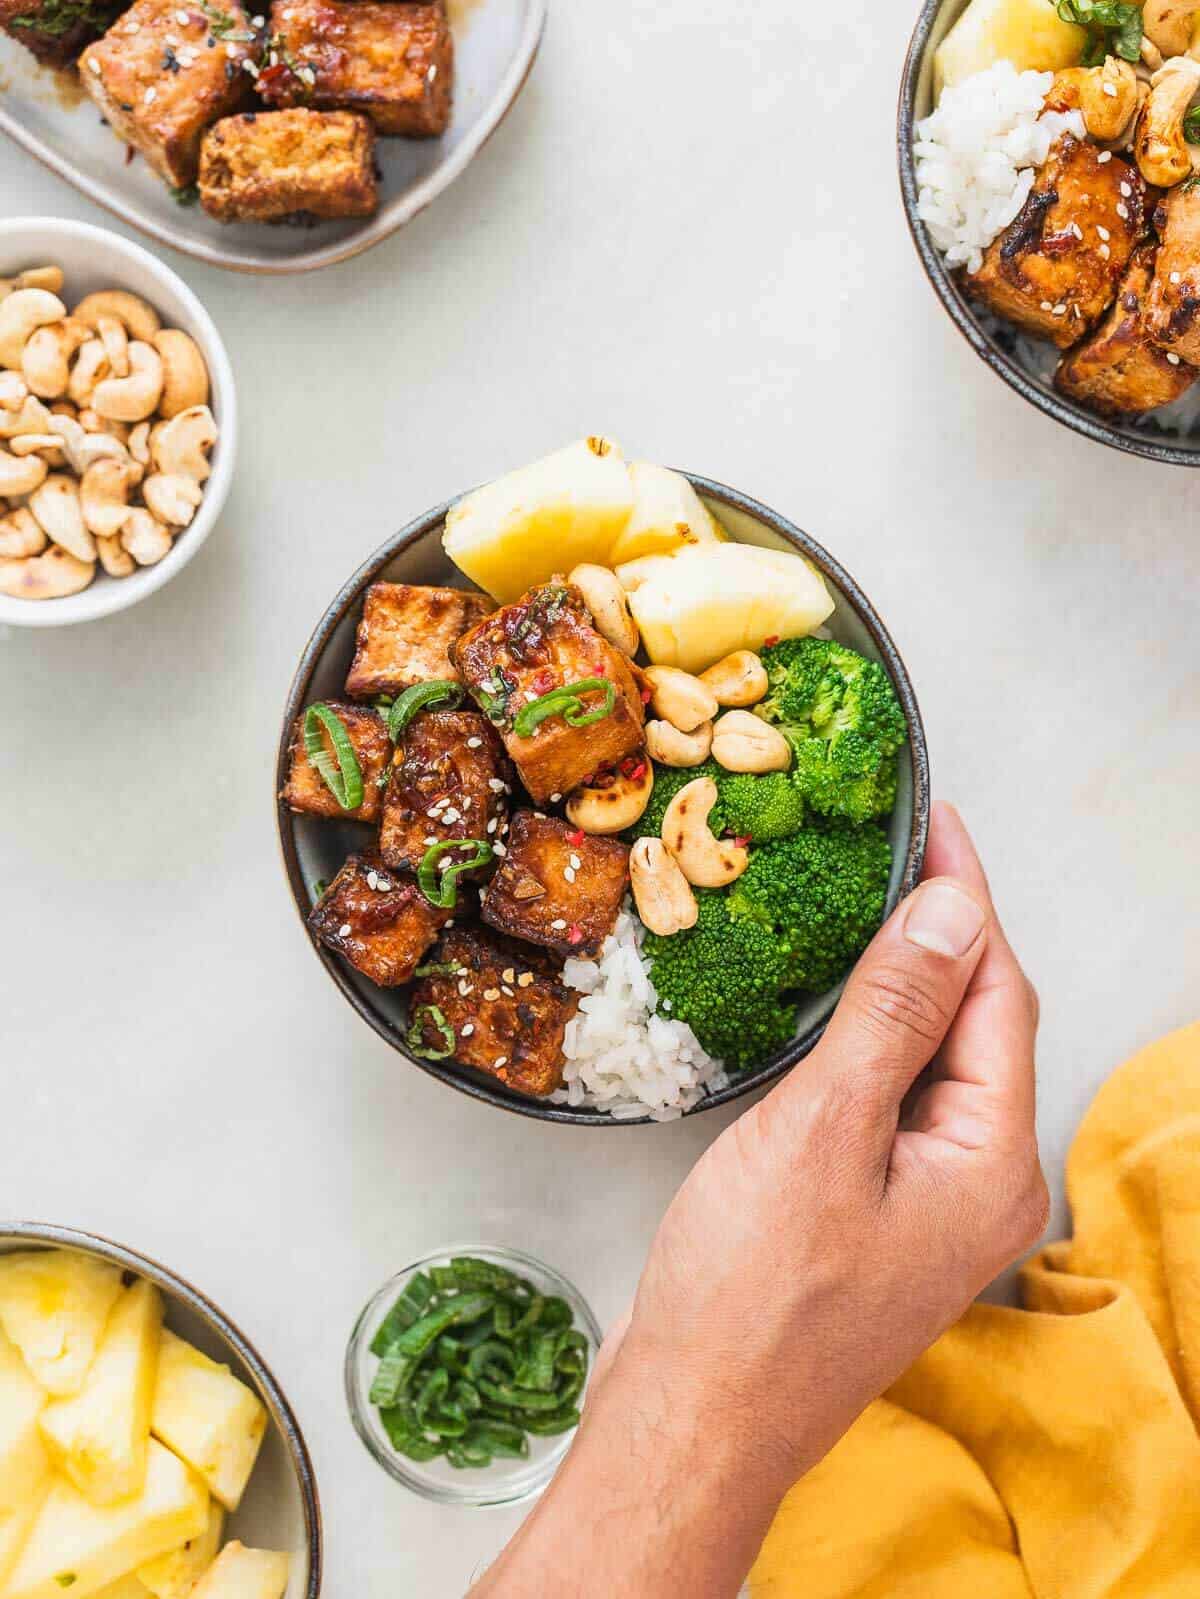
pixel 977 153
pixel 621 1056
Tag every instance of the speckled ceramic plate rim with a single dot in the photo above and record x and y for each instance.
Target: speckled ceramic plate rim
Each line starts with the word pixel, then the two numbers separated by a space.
pixel 47 1233
pixel 392 216
pixel 479 1087
pixel 1070 415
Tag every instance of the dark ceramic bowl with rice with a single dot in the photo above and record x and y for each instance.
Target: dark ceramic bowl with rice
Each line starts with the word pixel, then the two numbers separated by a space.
pixel 316 847
pixel 1169 434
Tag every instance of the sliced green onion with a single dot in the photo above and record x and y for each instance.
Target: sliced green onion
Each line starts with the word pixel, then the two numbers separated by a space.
pixel 566 702
pixel 342 778
pixel 319 887
pixel 420 697
pixel 441 888
pixel 411 1306
pixel 415 1037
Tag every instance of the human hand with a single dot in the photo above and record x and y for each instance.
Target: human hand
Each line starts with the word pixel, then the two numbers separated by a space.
pixel 822 1242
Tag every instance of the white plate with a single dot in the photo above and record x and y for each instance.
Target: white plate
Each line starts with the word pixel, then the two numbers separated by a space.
pixel 48 114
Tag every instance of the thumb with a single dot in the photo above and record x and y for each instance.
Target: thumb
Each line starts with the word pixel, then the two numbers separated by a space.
pixel 900 1002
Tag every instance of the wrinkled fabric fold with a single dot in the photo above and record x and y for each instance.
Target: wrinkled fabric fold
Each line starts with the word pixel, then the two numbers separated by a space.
pixel 1053 1451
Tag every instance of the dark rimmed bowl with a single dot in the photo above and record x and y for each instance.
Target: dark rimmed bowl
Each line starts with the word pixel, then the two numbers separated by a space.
pixel 281 1509
pixel 998 348
pixel 313 849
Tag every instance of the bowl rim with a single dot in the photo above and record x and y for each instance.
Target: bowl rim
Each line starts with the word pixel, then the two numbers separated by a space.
pixel 1053 405
pixel 390 218
pixel 113 595
pixel 356 1390
pixel 56 1236
pixel 477 1086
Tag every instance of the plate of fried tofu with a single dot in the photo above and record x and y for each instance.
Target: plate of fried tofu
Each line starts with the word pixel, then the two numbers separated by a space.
pixel 273 140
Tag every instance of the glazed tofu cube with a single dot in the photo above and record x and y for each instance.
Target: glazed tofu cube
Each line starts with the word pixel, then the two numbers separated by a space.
pixel 307 791
pixel 378 921
pixel 506 1007
pixel 557 886
pixel 265 165
pixel 1173 302
pixel 390 59
pixel 165 72
pixel 406 634
pixel 1054 271
pixel 53 32
pixel 451 779
pixel 1118 370
pixel 545 641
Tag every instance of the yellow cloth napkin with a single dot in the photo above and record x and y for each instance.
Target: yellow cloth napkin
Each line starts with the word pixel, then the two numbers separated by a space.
pixel 1050 1452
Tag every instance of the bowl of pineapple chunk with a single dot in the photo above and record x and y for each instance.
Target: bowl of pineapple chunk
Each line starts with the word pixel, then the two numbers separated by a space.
pixel 146 1452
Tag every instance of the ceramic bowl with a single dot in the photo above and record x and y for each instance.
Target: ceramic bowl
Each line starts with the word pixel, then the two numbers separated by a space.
pixel 281 1509
pixel 92 258
pixel 314 849
pixel 993 342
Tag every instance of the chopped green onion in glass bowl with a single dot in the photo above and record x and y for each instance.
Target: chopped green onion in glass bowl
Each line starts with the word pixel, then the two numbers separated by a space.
pixel 466 1371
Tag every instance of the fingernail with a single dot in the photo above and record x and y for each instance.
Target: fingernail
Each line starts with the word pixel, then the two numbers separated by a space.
pixel 944 919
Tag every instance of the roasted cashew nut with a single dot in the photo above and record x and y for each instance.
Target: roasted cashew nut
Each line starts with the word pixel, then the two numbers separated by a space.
pixel 1107 96
pixel 91 365
pixel 46 358
pixel 739 679
pixel 612 809
pixel 51 576
pixel 48 445
pixel 83 449
pixel 21 314
pixel 669 747
pixel 139 443
pixel 605 599
pixel 136 397
pixel 47 277
pixel 664 899
pixel 705 861
pixel 90 422
pixel 185 376
pixel 104 496
pixel 1159 145
pixel 32 417
pixel 116 559
pixel 20 535
pixel 116 344
pixel 182 447
pixel 57 507
pixel 20 475
pixel 1169 24
pixel 172 499
pixel 14 391
pixel 743 742
pixel 680 698
pixel 145 538
pixel 142 320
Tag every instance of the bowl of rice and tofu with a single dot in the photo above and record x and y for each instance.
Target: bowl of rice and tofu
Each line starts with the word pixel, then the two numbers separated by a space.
pixel 1050 166
pixel 592 786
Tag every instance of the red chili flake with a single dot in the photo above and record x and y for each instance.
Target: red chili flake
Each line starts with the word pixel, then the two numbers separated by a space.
pixel 647 696
pixel 576 837
pixel 543 681
pixel 270 76
pixel 574 934
pixel 741 839
pixel 773 638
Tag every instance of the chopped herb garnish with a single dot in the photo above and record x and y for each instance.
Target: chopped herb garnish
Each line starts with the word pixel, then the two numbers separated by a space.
pixel 55 18
pixel 1114 28
pixel 342 775
pixel 186 194
pixel 567 702
pixel 319 887
pixel 415 1037
pixel 1191 127
pixel 440 885
pixel 494 695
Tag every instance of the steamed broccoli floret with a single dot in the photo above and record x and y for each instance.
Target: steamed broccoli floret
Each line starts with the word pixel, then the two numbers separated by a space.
pixel 748 806
pixel 723 977
pixel 840 714
pixel 819 895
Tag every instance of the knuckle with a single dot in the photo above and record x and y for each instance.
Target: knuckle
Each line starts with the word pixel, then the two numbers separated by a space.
pixel 896 999
pixel 1027 1213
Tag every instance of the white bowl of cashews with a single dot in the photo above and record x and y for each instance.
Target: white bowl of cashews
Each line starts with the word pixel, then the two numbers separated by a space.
pixel 118 423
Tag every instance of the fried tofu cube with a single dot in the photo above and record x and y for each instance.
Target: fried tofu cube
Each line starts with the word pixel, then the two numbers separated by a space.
pixel 545 641
pixel 507 1008
pixel 406 634
pixel 306 790
pixel 53 32
pixel 557 886
pixel 1054 271
pixel 1118 370
pixel 451 779
pixel 166 71
pixel 1173 302
pixel 265 165
pixel 391 59
pixel 377 920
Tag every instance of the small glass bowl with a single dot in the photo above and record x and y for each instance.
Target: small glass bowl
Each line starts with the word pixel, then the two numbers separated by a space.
pixel 504 1482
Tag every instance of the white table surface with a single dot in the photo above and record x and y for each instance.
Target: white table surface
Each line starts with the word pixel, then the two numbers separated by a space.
pixel 688 234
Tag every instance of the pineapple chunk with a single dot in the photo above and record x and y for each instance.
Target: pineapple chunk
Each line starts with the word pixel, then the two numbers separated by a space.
pixel 1029 33
pixel 24 1465
pixel 85 1548
pixel 712 599
pixel 126 1588
pixel 241 1573
pixel 542 519
pixel 17 1524
pixel 53 1305
pixel 208 1418
pixel 174 1576
pixel 99 1436
pixel 668 515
